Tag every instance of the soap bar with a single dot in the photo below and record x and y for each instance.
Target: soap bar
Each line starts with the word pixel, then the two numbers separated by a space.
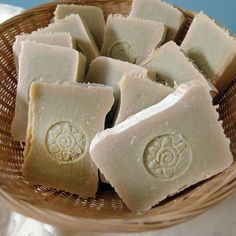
pixel 91 15
pixel 108 71
pixel 163 149
pixel 172 67
pixel 59 39
pixel 162 12
pixel 74 25
pixel 42 62
pixel 138 93
pixel 212 49
pixel 59 135
pixel 131 40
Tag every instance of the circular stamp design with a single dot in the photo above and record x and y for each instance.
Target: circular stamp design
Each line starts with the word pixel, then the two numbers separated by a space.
pixel 65 142
pixel 123 51
pixel 167 157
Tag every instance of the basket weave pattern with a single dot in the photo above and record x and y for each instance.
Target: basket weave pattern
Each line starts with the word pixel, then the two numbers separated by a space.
pixel 106 212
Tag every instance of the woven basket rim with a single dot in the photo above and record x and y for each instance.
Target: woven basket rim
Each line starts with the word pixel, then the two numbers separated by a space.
pixel 110 225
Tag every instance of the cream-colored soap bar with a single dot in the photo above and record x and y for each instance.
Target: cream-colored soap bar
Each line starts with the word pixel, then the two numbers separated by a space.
pixel 138 93
pixel 108 71
pixel 92 16
pixel 169 147
pixel 212 49
pixel 131 40
pixel 162 12
pixel 172 67
pixel 59 39
pixel 60 132
pixel 74 25
pixel 42 62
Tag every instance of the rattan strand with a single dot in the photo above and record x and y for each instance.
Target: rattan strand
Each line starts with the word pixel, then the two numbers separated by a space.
pixel 106 212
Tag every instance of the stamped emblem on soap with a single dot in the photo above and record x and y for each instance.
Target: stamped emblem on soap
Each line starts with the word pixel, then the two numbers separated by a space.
pixel 167 157
pixel 123 51
pixel 65 142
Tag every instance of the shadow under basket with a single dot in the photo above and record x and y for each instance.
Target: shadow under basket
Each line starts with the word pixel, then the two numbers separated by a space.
pixel 106 212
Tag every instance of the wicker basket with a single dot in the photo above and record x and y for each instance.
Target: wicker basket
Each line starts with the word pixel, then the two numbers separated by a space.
pixel 106 212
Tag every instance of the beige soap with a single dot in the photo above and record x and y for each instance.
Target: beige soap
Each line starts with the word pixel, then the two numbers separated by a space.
pixel 131 40
pixel 212 49
pixel 172 67
pixel 108 71
pixel 91 15
pixel 169 147
pixel 138 93
pixel 74 25
pixel 162 12
pixel 61 127
pixel 59 39
pixel 42 62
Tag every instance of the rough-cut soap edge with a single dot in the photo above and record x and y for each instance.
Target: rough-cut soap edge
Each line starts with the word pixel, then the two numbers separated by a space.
pixel 139 76
pixel 71 83
pixel 226 70
pixel 54 47
pixel 35 89
pixel 25 36
pixel 110 61
pixel 213 23
pixel 97 38
pixel 77 7
pixel 113 18
pixel 165 104
pixel 85 28
pixel 170 7
pixel 38 32
pixel 134 20
pixel 81 67
pixel 221 27
pixel 212 88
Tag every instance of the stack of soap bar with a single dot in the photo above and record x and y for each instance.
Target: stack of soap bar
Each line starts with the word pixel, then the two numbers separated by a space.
pixel 43 62
pixel 59 39
pixel 74 25
pixel 172 67
pixel 212 49
pixel 108 71
pixel 91 15
pixel 131 40
pixel 169 147
pixel 162 12
pixel 59 135
pixel 138 93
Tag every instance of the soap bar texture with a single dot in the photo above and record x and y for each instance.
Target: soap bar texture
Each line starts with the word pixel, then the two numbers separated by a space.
pixel 58 39
pixel 60 132
pixel 172 67
pixel 130 39
pixel 74 25
pixel 212 49
pixel 138 93
pixel 163 149
pixel 108 71
pixel 42 62
pixel 91 15
pixel 162 12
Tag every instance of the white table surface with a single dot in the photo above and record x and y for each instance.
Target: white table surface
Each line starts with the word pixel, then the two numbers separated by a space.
pixel 218 221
